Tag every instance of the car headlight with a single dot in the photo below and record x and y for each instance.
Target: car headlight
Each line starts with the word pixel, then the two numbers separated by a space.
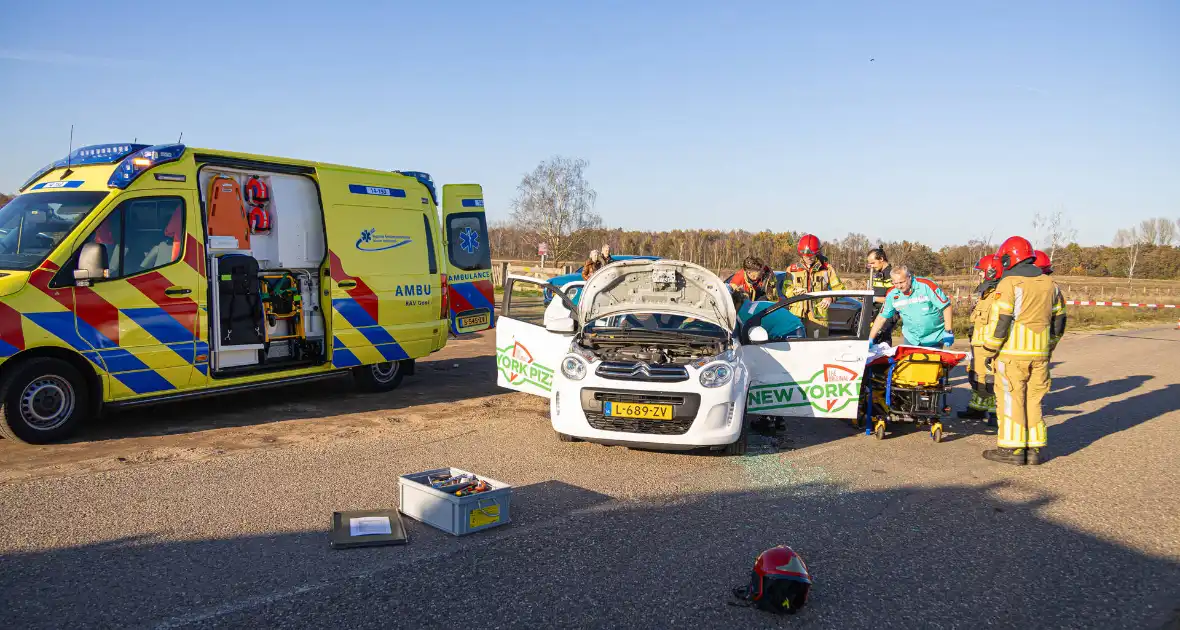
pixel 573 368
pixel 727 357
pixel 716 375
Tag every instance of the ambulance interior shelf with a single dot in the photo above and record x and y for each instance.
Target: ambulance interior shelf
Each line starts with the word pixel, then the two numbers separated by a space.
pixel 265 318
pixel 266 244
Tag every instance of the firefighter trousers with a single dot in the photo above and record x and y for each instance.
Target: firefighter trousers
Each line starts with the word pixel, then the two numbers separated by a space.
pixel 1021 385
pixel 983 394
pixel 815 329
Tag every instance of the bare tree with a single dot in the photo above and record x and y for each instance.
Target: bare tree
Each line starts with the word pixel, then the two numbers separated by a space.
pixel 1160 232
pixel 556 203
pixel 1131 239
pixel 1167 232
pixel 1052 231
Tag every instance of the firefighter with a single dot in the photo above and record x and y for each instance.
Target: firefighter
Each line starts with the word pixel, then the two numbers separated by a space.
pixel 1027 320
pixel 983 396
pixel 880 282
pixel 811 274
pixel 756 280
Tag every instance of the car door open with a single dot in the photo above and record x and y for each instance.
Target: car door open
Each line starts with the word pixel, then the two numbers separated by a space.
pixel 531 338
pixel 818 377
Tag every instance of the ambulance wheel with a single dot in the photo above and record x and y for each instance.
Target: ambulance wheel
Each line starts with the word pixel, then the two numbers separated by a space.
pixel 379 377
pixel 44 401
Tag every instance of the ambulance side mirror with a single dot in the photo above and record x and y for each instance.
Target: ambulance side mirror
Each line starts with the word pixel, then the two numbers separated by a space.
pixel 758 334
pixel 92 262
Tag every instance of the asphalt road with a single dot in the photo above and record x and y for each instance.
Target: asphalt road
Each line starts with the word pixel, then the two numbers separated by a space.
pixel 219 518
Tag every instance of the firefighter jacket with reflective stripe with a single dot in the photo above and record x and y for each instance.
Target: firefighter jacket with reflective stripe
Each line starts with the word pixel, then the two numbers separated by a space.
pixel 820 276
pixel 980 317
pixel 766 288
pixel 881 282
pixel 1027 317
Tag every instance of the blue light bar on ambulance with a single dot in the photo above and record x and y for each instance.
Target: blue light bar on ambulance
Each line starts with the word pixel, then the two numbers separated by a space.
pixel 86 156
pixel 426 181
pixel 139 162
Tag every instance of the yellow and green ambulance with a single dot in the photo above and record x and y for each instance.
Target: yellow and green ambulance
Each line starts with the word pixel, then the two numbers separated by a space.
pixel 133 274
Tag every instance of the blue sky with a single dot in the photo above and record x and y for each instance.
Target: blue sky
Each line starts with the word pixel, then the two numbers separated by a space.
pixel 750 115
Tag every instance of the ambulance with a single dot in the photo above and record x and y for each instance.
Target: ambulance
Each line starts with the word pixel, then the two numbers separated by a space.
pixel 133 274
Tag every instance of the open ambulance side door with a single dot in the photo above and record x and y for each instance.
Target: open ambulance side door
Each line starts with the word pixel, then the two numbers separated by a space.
pixel 469 259
pixel 531 338
pixel 817 377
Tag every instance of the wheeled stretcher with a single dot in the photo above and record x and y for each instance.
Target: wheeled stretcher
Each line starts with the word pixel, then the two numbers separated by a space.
pixel 907 384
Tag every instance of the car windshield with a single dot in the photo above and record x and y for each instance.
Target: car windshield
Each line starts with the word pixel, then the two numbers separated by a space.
pixel 32 225
pixel 655 322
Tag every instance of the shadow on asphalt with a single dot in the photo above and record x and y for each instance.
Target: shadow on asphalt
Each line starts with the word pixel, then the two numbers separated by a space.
pixel 1069 391
pixel 910 557
pixel 1078 432
pixel 435 381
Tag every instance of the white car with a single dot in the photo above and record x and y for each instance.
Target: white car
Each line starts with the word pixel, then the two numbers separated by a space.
pixel 651 357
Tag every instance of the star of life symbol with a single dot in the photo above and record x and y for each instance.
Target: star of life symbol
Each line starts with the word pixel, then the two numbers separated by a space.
pixel 469 240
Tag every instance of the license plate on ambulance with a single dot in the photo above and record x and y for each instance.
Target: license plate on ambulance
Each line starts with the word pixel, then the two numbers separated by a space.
pixel 636 410
pixel 471 321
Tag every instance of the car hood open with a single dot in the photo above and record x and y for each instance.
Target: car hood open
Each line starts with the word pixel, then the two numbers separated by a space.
pixel 674 287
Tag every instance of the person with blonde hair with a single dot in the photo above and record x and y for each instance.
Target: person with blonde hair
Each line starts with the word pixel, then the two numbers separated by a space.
pixel 592 264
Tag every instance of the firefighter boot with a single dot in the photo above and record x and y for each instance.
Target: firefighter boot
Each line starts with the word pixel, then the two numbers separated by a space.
pixel 1014 456
pixel 1036 456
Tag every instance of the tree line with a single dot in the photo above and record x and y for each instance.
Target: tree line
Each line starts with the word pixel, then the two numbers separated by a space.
pixel 555 205
pixel 724 250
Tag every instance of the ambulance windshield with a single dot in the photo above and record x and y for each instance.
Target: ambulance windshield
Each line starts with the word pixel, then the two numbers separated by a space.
pixel 33 224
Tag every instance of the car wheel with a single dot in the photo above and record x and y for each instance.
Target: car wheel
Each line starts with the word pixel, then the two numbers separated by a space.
pixel 45 401
pixel 743 442
pixel 379 377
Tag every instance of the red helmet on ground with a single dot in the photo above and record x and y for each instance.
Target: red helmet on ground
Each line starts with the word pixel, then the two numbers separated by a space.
pixel 809 245
pixel 1014 251
pixel 779 581
pixel 991 267
pixel 1041 259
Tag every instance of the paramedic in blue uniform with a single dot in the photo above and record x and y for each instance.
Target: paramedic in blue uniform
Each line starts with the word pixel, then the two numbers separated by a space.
pixel 925 311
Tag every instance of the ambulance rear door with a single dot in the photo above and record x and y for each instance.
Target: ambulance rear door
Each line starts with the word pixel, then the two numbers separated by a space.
pixel 817 377
pixel 469 259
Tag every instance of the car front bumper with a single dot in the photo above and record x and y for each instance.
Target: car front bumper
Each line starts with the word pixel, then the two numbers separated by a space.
pixel 702 416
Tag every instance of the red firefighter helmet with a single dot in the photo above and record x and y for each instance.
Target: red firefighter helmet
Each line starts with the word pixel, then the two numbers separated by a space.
pixel 1014 251
pixel 991 267
pixel 257 192
pixel 259 219
pixel 1041 259
pixel 809 245
pixel 779 581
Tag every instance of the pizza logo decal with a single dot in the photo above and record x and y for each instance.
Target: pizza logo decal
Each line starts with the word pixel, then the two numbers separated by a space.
pixel 829 390
pixel 518 367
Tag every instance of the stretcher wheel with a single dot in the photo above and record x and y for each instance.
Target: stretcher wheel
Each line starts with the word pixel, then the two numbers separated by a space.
pixel 936 432
pixel 879 430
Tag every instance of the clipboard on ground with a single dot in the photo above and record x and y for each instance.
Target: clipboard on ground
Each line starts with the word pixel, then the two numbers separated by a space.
pixel 367 528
